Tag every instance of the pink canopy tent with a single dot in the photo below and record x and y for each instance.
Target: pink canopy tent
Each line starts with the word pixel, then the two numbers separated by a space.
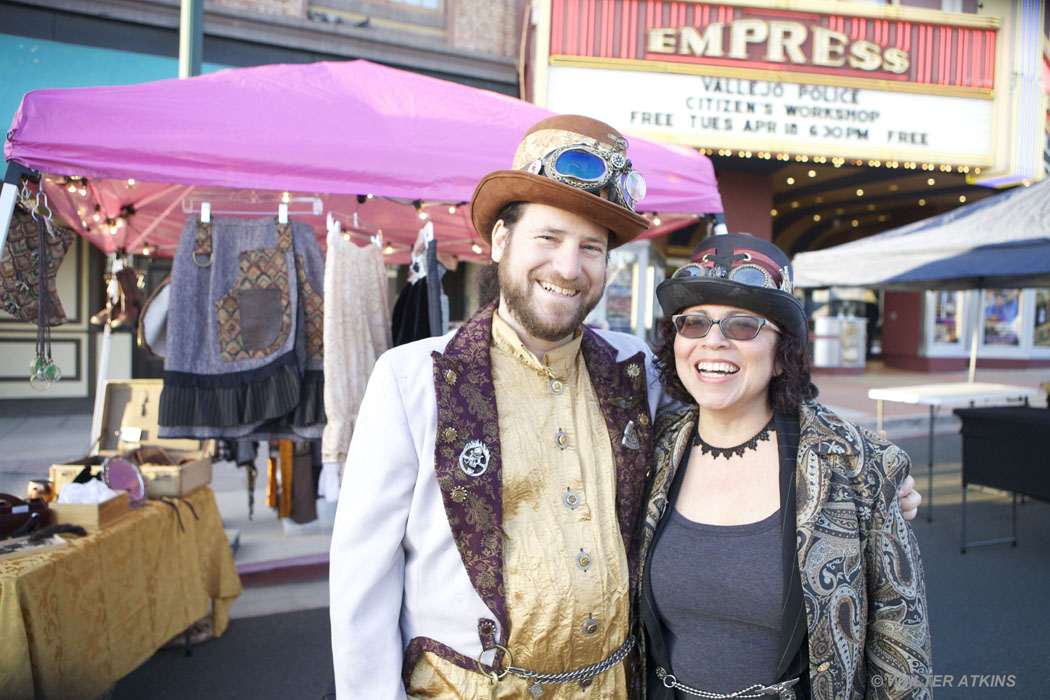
pixel 321 136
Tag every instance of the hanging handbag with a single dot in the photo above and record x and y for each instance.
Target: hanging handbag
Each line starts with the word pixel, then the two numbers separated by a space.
pixel 19 268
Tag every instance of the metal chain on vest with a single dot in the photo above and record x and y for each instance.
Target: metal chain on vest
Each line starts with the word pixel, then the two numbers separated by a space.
pixel 581 674
pixel 782 690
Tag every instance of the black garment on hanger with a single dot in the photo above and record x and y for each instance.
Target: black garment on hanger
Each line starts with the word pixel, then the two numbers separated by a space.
pixel 411 317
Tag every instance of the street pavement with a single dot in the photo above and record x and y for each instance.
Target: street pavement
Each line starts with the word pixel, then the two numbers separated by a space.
pixel 988 608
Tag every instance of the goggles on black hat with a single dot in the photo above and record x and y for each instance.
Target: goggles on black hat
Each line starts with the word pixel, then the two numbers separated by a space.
pixel 594 169
pixel 746 273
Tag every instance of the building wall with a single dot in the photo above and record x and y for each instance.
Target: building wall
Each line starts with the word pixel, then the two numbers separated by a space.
pixel 489 27
pixel 747 199
pixel 902 325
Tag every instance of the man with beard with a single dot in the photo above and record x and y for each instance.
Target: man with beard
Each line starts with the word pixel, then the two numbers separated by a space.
pixel 492 489
pixel 484 544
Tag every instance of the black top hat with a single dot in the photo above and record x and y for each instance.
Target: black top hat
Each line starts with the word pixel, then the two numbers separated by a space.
pixel 737 269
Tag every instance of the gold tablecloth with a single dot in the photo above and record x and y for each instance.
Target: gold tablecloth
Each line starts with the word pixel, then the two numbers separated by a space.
pixel 76 619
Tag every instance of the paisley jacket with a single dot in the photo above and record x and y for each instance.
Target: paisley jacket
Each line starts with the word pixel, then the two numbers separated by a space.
pixel 862 585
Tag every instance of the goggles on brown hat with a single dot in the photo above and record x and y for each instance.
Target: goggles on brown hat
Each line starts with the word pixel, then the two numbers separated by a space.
pixel 596 169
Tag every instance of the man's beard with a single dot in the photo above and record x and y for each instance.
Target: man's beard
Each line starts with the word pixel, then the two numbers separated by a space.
pixel 516 293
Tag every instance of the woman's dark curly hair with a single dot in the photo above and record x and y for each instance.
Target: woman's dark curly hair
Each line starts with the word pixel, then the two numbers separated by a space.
pixel 787 390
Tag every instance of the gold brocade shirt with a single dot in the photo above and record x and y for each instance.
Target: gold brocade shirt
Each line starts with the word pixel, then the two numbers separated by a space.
pixel 565 567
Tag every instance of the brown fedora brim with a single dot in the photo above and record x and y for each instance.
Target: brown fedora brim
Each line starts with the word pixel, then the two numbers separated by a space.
pixel 500 188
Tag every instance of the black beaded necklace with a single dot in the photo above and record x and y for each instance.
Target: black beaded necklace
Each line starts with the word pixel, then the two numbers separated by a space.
pixel 738 450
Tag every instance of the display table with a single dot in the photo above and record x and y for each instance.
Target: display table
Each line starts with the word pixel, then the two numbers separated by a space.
pixel 946 394
pixel 1005 447
pixel 76 619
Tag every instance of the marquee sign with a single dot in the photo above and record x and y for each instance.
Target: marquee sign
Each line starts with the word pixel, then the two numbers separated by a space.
pixel 871 84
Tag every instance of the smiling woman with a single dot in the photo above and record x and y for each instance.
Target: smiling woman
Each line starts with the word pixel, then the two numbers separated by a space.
pixel 757 616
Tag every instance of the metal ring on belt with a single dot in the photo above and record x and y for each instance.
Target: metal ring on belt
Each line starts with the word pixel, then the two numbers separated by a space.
pixel 580 674
pixel 782 690
pixel 494 674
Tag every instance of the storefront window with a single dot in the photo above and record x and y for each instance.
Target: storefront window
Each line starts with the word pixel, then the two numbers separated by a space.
pixel 946 317
pixel 1002 322
pixel 1041 336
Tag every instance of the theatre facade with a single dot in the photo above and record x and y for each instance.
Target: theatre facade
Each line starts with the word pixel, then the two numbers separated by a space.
pixel 828 122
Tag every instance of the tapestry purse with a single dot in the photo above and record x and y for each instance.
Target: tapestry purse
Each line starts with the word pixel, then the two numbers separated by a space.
pixel 19 268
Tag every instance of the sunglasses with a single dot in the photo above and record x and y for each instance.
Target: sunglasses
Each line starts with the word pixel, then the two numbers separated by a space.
pixel 740 327
pixel 594 169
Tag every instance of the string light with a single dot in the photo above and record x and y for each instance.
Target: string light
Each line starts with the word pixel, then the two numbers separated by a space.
pixel 656 219
pixel 286 197
pixel 476 248
pixel 452 209
pixel 145 251
pixel 388 250
pixel 131 183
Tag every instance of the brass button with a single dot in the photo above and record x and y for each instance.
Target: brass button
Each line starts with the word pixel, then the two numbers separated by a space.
pixel 561 439
pixel 585 683
pixel 459 494
pixel 583 560
pixel 556 386
pixel 634 371
pixel 571 499
pixel 590 627
pixel 823 667
pixel 449 434
pixel 450 376
pixel 643 420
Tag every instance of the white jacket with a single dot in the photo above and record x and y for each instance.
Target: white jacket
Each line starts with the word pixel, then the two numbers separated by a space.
pixel 395 571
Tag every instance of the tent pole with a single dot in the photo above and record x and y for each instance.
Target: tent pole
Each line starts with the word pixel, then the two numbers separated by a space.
pixel 9 195
pixel 101 370
pixel 973 337
pixel 100 385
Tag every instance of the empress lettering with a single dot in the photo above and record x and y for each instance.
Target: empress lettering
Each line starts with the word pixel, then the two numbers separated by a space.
pixel 782 41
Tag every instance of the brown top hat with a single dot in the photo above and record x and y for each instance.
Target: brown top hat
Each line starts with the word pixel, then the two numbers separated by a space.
pixel 542 175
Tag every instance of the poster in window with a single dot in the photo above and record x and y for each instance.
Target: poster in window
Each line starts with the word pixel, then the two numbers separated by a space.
pixel 1002 322
pixel 1041 337
pixel 946 310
